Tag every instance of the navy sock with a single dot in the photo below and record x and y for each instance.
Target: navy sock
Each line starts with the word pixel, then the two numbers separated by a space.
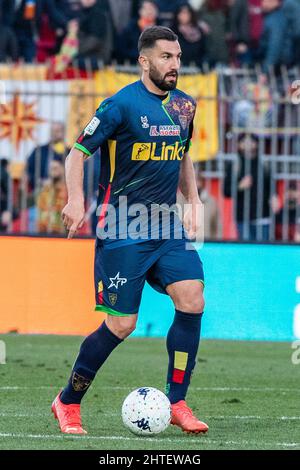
pixel 182 345
pixel 94 351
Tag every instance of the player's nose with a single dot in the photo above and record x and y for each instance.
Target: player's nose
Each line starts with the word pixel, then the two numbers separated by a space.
pixel 176 64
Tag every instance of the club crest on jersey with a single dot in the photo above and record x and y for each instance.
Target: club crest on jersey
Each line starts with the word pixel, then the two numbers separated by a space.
pixel 92 126
pixel 183 120
pixel 164 130
pixel 144 121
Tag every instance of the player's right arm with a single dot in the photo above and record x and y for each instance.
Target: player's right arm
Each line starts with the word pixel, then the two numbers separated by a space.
pixel 73 212
pixel 103 125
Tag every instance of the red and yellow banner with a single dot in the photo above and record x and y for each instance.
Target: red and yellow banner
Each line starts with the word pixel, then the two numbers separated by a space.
pixel 32 103
pixel 203 88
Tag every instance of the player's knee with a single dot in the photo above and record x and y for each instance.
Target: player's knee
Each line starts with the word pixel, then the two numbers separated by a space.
pixel 195 304
pixel 121 326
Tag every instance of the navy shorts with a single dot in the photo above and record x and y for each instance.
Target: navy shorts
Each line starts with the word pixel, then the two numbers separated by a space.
pixel 121 272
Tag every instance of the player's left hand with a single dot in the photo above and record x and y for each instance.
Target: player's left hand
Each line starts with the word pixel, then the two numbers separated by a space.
pixel 193 220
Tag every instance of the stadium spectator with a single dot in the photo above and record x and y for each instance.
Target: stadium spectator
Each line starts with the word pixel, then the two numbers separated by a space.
pixel 46 42
pixel 255 28
pixel 275 45
pixel 196 4
pixel 7 12
pixel 68 50
pixel 291 9
pixel 27 21
pixel 51 200
pixel 5 217
pixel 8 45
pixel 238 35
pixel 120 11
pixel 37 166
pixel 212 219
pixel 70 9
pixel 255 108
pixel 243 181
pixel 51 24
pixel 167 11
pixel 288 216
pixel 189 34
pixel 8 40
pixel 147 17
pixel 213 15
pixel 95 33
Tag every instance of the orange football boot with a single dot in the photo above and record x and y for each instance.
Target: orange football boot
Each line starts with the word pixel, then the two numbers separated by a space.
pixel 182 416
pixel 68 416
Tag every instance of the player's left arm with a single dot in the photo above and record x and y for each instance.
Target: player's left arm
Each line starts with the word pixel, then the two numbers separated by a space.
pixel 187 180
pixel 193 210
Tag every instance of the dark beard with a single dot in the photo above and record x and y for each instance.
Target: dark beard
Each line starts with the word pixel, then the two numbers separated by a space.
pixel 160 82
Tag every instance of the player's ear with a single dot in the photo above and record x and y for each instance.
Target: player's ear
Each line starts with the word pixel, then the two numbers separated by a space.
pixel 144 63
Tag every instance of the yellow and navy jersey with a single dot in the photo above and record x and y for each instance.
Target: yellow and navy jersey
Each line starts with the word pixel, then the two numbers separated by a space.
pixel 143 139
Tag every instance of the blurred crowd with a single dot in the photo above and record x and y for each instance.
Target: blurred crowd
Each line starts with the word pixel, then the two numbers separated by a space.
pixel 260 210
pixel 212 32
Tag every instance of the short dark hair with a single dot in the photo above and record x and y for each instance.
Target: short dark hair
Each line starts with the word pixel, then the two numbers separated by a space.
pixel 150 35
pixel 141 3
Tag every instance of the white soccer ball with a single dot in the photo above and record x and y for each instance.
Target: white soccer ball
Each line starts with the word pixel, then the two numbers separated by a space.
pixel 146 411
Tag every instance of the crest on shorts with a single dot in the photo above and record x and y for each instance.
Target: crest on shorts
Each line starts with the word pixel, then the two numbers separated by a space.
pixel 112 298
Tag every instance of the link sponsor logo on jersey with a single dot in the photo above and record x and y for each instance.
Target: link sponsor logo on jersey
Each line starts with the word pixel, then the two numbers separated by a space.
pixel 149 151
pixel 164 130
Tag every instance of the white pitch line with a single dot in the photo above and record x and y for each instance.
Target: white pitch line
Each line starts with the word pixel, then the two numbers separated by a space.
pixel 16 388
pixel 246 389
pixel 214 389
pixel 280 418
pixel 113 438
pixel 146 439
pixel 45 415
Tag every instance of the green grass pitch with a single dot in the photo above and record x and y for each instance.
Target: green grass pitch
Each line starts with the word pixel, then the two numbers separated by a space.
pixel 248 393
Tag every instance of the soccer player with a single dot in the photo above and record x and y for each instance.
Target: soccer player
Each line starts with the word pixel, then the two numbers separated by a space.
pixel 144 133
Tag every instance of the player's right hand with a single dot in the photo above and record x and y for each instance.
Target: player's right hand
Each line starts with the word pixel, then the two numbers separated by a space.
pixel 73 217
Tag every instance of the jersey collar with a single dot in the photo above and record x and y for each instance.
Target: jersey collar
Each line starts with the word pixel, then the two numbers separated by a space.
pixel 154 95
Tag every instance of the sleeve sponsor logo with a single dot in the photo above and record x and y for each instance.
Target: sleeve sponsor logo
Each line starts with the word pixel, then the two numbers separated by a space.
pixel 92 126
